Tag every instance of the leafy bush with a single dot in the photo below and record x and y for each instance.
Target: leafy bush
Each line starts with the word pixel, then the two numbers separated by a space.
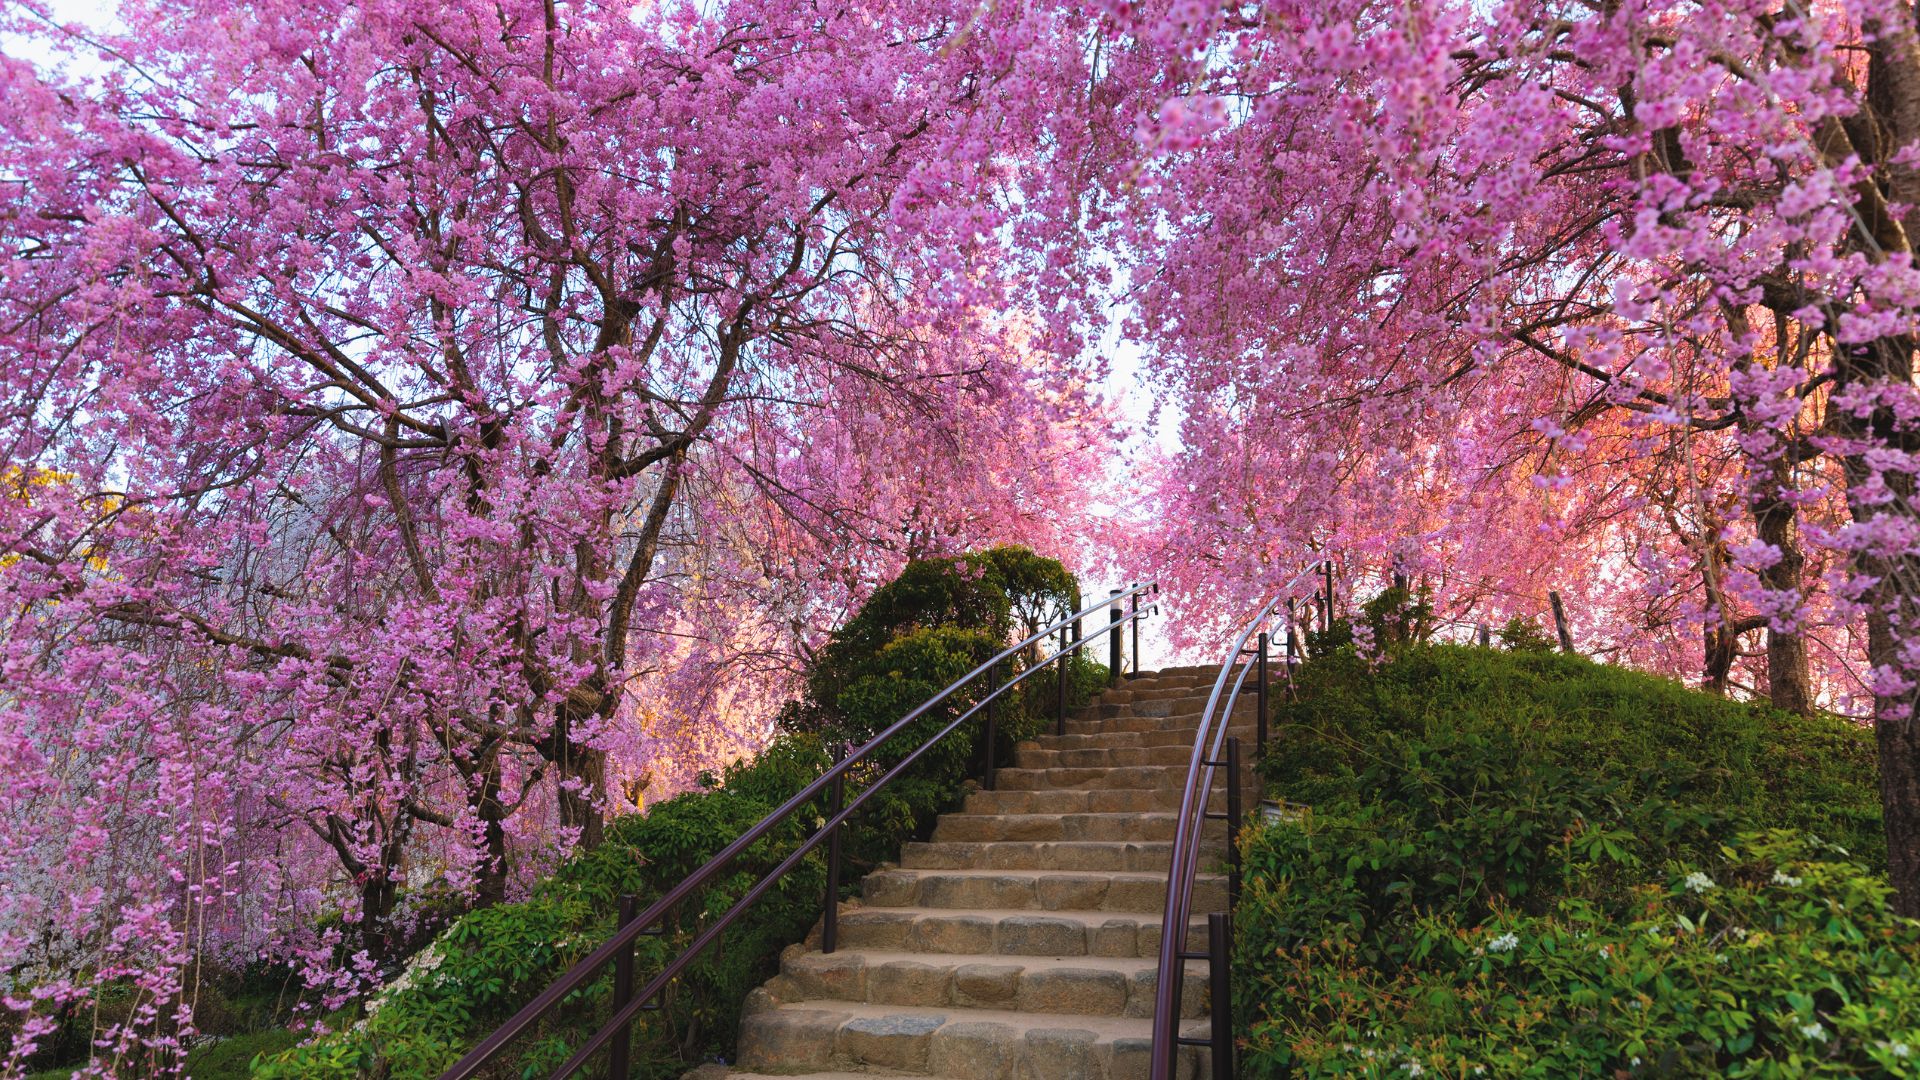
pixel 934 623
pixel 1538 807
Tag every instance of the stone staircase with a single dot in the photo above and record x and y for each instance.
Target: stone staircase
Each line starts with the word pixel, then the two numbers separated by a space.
pixel 1020 941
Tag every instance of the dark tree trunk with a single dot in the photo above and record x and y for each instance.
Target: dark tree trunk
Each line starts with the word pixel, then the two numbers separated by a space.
pixel 581 772
pixel 492 886
pixel 1898 743
pixel 1776 522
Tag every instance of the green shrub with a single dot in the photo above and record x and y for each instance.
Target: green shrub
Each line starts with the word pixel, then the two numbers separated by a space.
pixel 1460 795
pixel 931 625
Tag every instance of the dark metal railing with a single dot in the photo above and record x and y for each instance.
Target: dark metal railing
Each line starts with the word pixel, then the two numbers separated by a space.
pixel 1215 749
pixel 616 1034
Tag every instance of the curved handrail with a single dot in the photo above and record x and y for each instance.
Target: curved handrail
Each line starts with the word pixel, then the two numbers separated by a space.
pixel 588 968
pixel 1187 829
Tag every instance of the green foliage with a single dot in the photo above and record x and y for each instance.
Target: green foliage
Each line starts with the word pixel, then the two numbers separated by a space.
pixel 1522 634
pixel 232 1058
pixel 933 624
pixel 1400 615
pixel 1459 795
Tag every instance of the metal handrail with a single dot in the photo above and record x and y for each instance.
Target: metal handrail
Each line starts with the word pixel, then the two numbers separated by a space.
pixel 618 949
pixel 1188 826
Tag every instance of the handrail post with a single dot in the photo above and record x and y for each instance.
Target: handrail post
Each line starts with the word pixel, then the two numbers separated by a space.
pixel 1260 698
pixel 1560 621
pixel 1327 566
pixel 1060 687
pixel 993 726
pixel 1485 634
pixel 1113 638
pixel 830 919
pixel 1233 818
pixel 1135 616
pixel 620 1049
pixel 1220 991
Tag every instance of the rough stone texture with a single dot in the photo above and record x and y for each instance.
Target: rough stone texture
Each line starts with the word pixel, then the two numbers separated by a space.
pixel 1074 990
pixel 787 1040
pixel 986 985
pixel 1061 1054
pixel 977 1049
pixel 953 934
pixel 1038 934
pixel 905 982
pixel 891 1042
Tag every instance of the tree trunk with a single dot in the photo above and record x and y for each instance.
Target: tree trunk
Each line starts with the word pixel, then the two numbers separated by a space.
pixel 1884 367
pixel 491 888
pixel 581 772
pixel 1789 680
pixel 1893 600
pixel 1898 743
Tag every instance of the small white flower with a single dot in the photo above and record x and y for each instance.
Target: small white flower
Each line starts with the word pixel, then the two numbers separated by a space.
pixel 1781 877
pixel 1506 942
pixel 1635 1063
pixel 1900 1050
pixel 1699 882
pixel 1739 933
pixel 1414 1069
pixel 1605 951
pixel 1814 1031
pixel 1479 1070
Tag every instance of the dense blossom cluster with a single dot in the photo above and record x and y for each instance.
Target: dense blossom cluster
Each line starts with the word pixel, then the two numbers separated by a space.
pixel 429 428
pixel 1615 299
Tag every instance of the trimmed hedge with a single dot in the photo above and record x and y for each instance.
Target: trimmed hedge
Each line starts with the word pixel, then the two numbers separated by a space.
pixel 1527 864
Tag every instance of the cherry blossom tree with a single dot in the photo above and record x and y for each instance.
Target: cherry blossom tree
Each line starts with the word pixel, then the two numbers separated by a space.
pixel 1371 240
pixel 430 427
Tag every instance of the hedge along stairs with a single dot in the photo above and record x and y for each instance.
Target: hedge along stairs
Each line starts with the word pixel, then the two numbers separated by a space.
pixel 1019 942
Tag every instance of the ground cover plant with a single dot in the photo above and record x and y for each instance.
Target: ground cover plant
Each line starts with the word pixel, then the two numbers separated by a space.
pixel 1523 863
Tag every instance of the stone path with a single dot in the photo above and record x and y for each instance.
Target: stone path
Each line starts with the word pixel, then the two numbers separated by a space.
pixel 1019 942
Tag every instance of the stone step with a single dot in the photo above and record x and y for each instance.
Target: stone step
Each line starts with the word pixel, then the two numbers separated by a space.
pixel 971 1044
pixel 976 828
pixel 1010 933
pixel 1035 890
pixel 1087 801
pixel 1081 985
pixel 1156 692
pixel 1162 777
pixel 1155 737
pixel 1033 756
pixel 1181 705
pixel 1141 856
pixel 1186 722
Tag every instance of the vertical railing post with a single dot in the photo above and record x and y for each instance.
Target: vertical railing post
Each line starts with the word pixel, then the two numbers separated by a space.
pixel 1113 638
pixel 1060 688
pixel 1260 698
pixel 1327 567
pixel 1560 621
pixel 1485 634
pixel 830 919
pixel 620 1047
pixel 1220 990
pixel 993 725
pixel 1233 821
pixel 1136 630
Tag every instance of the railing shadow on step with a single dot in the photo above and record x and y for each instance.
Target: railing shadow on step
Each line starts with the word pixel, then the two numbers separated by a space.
pixel 1125 607
pixel 1213 750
